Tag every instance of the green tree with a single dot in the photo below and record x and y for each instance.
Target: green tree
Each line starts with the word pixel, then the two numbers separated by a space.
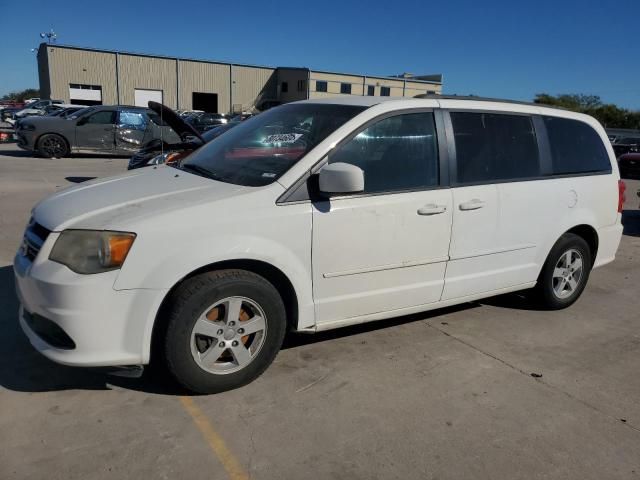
pixel 611 116
pixel 22 95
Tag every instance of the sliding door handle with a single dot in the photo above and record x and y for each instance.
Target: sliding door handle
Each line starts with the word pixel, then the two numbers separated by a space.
pixel 474 204
pixel 432 209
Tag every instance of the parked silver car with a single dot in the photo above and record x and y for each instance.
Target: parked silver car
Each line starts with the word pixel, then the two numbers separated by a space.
pixel 115 129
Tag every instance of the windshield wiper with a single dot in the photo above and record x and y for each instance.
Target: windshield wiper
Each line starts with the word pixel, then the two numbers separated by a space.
pixel 203 172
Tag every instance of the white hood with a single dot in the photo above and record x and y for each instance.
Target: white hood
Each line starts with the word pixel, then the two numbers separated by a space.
pixel 116 201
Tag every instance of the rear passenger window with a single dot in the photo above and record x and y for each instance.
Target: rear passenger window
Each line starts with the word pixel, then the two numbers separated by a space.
pixel 397 153
pixel 575 147
pixel 492 146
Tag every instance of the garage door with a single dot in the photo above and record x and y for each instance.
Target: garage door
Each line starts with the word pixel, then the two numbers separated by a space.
pixel 142 97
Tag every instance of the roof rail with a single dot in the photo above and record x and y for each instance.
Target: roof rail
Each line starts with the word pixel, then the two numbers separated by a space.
pixel 483 99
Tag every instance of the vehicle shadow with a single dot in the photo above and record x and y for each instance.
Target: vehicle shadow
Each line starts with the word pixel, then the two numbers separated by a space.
pixel 18 153
pixel 79 179
pixel 22 369
pixel 631 222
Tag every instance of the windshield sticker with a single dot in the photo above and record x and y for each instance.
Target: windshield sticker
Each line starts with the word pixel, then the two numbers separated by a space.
pixel 268 175
pixel 282 138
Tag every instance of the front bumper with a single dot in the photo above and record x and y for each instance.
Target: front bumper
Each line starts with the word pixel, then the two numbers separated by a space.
pixel 26 140
pixel 108 327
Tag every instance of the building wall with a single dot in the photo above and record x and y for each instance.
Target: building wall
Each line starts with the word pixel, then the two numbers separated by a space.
pixel 205 78
pixel 296 80
pixel 250 85
pixel 238 87
pixel 334 81
pixel 147 73
pixel 43 73
pixel 68 65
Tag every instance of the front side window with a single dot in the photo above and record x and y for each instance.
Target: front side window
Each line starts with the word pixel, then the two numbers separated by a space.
pixel 321 86
pixel 493 146
pixel 385 91
pixel 345 88
pixel 259 150
pixel 132 120
pixel 575 147
pixel 397 153
pixel 104 117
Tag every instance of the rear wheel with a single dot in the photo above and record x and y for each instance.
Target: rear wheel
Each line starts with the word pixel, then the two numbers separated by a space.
pixel 224 329
pixel 52 146
pixel 565 272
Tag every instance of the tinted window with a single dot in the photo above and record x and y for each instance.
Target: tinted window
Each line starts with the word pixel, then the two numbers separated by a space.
pixel 258 151
pixel 493 146
pixel 321 86
pixel 575 147
pixel 397 153
pixel 104 117
pixel 385 91
pixel 345 88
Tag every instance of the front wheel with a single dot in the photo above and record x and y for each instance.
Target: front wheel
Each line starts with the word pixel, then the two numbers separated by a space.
pixel 565 272
pixel 52 146
pixel 224 329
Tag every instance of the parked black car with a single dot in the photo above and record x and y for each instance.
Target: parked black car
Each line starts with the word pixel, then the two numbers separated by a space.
pixel 116 130
pixel 205 121
pixel 629 165
pixel 158 152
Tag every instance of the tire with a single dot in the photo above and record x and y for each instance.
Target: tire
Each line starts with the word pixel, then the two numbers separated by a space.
pixel 52 145
pixel 203 350
pixel 555 289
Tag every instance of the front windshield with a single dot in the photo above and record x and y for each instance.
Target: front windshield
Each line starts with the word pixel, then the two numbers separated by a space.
pixel 259 150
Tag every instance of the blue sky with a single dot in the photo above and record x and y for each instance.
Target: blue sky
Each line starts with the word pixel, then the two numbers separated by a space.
pixel 502 48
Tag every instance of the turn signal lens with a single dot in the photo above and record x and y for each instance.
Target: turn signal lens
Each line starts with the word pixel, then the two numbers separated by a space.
pixel 114 249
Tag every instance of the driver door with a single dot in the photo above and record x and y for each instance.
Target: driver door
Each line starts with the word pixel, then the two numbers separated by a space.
pixel 385 249
pixel 97 131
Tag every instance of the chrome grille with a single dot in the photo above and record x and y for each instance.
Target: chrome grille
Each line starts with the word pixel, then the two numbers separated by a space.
pixel 34 238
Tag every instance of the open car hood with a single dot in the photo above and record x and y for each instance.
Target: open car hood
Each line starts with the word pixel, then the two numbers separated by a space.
pixel 178 125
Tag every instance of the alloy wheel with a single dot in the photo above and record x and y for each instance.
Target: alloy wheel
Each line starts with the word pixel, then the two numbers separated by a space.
pixel 568 273
pixel 228 335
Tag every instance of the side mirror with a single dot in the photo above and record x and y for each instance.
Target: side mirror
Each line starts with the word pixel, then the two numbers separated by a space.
pixel 341 178
pixel 81 121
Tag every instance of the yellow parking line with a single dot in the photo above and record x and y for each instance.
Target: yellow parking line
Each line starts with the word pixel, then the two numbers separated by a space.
pixel 228 460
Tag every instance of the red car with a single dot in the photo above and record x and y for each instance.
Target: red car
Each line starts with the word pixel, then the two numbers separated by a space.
pixel 629 165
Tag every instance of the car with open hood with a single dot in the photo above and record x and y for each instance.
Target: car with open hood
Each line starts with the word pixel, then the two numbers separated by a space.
pixel 158 152
pixel 316 215
pixel 112 130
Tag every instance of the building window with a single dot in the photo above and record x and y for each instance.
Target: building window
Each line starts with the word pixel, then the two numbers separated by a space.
pixel 81 86
pixel 385 91
pixel 371 90
pixel 302 85
pixel 431 92
pixel 284 87
pixel 321 86
pixel 345 88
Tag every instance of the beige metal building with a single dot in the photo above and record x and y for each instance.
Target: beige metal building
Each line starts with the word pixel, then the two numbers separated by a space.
pixel 91 77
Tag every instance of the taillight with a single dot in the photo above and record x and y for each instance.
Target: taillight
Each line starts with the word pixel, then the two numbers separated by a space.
pixel 621 196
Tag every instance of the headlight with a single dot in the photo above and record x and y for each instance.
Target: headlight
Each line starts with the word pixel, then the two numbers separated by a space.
pixel 168 158
pixel 89 251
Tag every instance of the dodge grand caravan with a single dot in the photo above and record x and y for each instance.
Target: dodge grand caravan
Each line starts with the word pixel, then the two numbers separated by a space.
pixel 316 215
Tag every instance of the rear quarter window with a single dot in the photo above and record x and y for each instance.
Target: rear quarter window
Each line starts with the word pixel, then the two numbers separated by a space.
pixel 575 147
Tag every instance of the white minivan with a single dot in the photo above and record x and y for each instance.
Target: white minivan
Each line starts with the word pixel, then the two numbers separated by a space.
pixel 315 215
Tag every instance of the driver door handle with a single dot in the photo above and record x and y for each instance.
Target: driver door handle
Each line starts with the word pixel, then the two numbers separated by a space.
pixel 432 209
pixel 473 204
